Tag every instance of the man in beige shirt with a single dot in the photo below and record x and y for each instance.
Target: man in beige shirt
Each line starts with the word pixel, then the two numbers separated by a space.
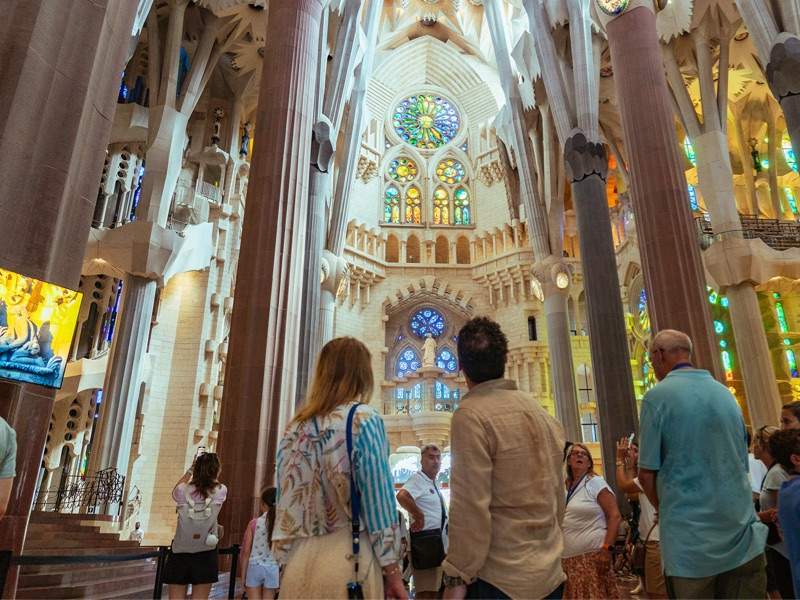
pixel 506 481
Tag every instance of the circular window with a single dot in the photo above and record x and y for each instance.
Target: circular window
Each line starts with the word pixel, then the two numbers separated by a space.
pixel 426 121
pixel 427 321
pixel 613 7
pixel 403 169
pixel 450 171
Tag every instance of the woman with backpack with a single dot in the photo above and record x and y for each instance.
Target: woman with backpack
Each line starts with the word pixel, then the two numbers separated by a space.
pixel 260 572
pixel 333 480
pixel 193 558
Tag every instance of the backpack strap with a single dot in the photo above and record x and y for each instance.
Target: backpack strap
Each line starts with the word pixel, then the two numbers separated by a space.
pixel 355 496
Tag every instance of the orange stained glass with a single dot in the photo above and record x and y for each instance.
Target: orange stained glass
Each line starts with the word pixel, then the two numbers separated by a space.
pixel 413 205
pixel 441 207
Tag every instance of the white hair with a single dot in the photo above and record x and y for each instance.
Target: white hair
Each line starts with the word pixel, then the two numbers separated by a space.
pixel 670 340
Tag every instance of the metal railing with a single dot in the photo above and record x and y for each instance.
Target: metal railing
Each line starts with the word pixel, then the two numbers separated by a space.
pixel 86 495
pixel 776 233
pixel 8 560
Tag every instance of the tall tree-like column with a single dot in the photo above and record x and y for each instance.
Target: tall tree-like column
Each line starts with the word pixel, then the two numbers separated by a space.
pixel 574 107
pixel 715 179
pixel 261 369
pixel 775 29
pixel 673 272
pixel 549 267
pixel 48 183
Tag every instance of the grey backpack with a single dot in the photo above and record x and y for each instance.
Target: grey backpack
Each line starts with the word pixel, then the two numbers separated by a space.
pixel 197 526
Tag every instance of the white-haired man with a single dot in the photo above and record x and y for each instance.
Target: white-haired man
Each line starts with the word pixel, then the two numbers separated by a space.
pixel 425 505
pixel 693 467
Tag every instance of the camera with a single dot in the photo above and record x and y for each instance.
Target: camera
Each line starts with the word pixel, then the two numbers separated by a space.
pixel 354 591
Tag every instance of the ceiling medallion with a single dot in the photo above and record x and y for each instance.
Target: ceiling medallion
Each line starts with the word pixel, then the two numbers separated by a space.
pixel 613 8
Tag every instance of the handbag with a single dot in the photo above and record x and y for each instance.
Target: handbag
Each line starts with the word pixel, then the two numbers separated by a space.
pixel 427 547
pixel 639 553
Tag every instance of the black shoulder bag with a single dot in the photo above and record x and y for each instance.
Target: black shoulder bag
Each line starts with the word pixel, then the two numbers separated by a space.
pixel 427 547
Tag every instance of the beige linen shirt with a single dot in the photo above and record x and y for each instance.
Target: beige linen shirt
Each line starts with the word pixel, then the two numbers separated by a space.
pixel 506 492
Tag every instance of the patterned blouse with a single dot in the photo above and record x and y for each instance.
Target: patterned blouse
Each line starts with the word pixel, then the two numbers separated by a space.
pixel 313 475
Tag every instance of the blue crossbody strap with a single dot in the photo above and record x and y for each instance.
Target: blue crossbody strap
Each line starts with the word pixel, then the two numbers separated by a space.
pixel 355 496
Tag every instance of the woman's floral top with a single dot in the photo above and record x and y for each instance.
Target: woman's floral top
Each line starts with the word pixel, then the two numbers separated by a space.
pixel 313 475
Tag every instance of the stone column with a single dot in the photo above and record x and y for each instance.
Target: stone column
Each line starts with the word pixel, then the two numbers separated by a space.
pixel 56 110
pixel 587 167
pixel 262 360
pixel 561 364
pixel 783 75
pixel 673 272
pixel 111 447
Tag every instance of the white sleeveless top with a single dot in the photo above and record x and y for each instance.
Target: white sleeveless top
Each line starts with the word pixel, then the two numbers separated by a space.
pixel 260 553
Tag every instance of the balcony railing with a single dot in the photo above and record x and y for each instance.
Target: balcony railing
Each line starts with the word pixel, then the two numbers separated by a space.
pixel 86 495
pixel 776 233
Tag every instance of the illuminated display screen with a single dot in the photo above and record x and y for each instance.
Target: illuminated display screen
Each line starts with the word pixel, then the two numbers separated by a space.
pixel 37 322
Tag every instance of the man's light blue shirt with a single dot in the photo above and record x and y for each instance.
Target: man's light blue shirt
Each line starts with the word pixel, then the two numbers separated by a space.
pixel 693 434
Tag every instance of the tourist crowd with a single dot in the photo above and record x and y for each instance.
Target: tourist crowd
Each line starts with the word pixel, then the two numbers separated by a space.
pixel 529 515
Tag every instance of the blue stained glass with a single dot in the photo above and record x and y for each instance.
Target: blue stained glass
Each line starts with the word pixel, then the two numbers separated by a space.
pixel 447 361
pixel 407 363
pixel 427 321
pixel 693 198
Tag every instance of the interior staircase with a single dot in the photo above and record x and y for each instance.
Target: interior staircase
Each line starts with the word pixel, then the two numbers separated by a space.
pixel 66 534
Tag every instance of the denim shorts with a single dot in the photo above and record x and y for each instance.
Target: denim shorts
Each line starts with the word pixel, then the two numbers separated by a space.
pixel 262 576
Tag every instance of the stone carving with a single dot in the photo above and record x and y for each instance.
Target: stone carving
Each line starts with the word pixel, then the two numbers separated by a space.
pixel 783 70
pixel 429 352
pixel 367 169
pixel 584 158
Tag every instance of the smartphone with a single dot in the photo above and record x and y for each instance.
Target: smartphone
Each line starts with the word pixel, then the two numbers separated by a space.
pixel 630 438
pixel 200 450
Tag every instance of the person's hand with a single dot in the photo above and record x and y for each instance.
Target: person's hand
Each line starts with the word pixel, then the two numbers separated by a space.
pixel 393 587
pixel 768 516
pixel 605 557
pixel 623 449
pixel 418 523
pixel 458 592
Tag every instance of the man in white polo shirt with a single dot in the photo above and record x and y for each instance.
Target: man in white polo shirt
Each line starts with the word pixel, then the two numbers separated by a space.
pixel 422 499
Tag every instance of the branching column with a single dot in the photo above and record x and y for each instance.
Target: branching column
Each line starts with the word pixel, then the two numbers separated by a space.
pixel 262 360
pixel 56 111
pixel 668 244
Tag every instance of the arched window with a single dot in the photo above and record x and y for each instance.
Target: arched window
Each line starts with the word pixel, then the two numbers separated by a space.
pixel 402 200
pixel 412 249
pixel 392 249
pixel 446 360
pixel 407 362
pixel 442 250
pixel 451 198
pixel 788 152
pixel 427 320
pixel 462 251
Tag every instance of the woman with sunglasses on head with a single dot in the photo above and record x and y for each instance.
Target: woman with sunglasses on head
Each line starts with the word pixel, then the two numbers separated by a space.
pixel 591 522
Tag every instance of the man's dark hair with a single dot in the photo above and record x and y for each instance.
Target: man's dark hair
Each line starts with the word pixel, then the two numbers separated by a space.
pixel 782 444
pixel 482 350
pixel 794 407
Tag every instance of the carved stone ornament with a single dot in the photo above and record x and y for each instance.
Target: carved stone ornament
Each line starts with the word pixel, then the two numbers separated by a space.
pixel 584 158
pixel 783 70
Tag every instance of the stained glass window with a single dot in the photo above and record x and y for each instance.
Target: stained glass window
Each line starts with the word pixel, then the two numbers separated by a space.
pixel 781 314
pixel 642 314
pixel 450 171
pixel 790 199
pixel 446 399
pixel 788 152
pixel 689 150
pixel 447 360
pixel 613 7
pixel 693 199
pixel 427 321
pixel 407 362
pixel 461 212
pixel 413 205
pixel 426 121
pixel 403 169
pixel 441 206
pixel 391 205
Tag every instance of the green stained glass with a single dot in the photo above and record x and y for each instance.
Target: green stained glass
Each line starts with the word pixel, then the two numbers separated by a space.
pixel 450 171
pixel 788 153
pixel 689 150
pixel 403 169
pixel 782 324
pixel 613 7
pixel 461 212
pixel 426 121
pixel 391 205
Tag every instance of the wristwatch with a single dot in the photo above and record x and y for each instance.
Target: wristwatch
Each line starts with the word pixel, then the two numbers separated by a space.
pixel 452 582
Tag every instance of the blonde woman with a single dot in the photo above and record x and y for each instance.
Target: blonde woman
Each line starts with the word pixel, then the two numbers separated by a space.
pixel 591 521
pixel 312 535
